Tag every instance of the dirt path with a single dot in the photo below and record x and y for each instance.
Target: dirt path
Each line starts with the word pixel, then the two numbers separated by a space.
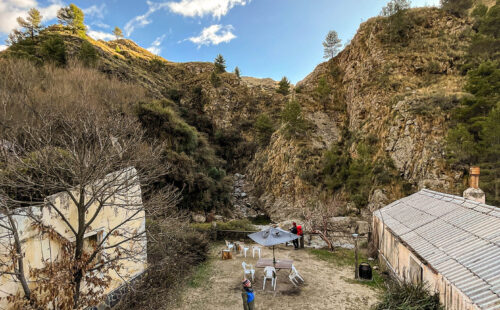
pixel 325 285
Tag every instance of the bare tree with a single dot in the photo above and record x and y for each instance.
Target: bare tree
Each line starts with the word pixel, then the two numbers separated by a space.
pixel 100 161
pixel 318 218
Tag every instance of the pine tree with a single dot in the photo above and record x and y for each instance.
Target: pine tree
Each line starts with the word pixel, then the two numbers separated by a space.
pixel 237 72
pixel 88 54
pixel 32 24
pixel 395 6
pixel 293 121
pixel 457 7
pixel 265 128
pixel 331 45
pixel 118 33
pixel 73 17
pixel 284 86
pixel 220 64
pixel 215 79
pixel 323 90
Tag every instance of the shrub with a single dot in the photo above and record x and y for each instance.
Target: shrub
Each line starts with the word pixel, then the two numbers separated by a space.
pixel 162 122
pixel 479 11
pixel 88 54
pixel 284 86
pixel 174 94
pixel 456 7
pixel 323 90
pixel 402 296
pixel 156 64
pixel 53 50
pixel 174 250
pixel 216 173
pixel 215 80
pixel 265 128
pixel 293 120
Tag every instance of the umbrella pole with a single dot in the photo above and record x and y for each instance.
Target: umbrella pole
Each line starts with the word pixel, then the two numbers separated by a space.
pixel 274 259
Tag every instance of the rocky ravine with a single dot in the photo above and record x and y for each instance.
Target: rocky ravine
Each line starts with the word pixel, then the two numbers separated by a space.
pixel 390 91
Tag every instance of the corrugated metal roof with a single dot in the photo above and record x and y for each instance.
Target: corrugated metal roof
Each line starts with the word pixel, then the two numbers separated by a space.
pixel 457 237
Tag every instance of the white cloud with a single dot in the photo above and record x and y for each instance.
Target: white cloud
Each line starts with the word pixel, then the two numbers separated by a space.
pixel 200 8
pixel 101 25
pixel 214 35
pixel 96 11
pixel 143 20
pixel 155 46
pixel 3 47
pixel 10 10
pixel 100 35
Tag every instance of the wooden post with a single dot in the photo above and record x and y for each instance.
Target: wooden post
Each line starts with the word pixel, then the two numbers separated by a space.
pixel 356 270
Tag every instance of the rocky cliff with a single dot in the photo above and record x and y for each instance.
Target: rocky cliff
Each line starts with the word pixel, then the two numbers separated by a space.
pixel 395 95
pixel 390 96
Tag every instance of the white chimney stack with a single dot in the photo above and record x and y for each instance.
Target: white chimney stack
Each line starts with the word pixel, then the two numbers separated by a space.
pixel 474 192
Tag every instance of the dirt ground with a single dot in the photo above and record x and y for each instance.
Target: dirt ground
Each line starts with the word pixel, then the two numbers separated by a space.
pixel 326 286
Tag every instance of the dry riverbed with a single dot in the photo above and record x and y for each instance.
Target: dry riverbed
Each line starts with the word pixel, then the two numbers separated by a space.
pixel 328 285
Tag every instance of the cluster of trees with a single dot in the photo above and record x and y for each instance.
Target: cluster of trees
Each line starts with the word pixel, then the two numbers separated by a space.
pixel 399 23
pixel 58 138
pixel 32 41
pixel 474 138
pixel 220 67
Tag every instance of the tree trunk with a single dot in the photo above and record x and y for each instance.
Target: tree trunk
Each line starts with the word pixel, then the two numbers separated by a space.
pixel 78 275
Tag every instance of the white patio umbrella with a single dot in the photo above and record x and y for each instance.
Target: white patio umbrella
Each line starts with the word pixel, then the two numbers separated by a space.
pixel 272 236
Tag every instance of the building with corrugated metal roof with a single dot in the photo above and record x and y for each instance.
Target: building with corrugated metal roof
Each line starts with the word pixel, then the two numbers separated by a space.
pixel 449 242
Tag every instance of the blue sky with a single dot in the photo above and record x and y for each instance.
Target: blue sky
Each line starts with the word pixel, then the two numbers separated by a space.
pixel 264 38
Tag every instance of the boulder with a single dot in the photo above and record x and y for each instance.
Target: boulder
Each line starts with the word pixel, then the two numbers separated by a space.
pixel 198 218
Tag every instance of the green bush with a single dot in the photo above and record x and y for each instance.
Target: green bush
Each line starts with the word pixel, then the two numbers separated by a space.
pixel 215 80
pixel 323 91
pixel 474 136
pixel 216 173
pixel 156 64
pixel 88 54
pixel 284 86
pixel 53 50
pixel 161 121
pixel 479 11
pixel 174 94
pixel 404 296
pixel 457 7
pixel 264 129
pixel 294 123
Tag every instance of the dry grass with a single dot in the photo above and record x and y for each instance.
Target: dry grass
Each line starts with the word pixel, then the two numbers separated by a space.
pixel 327 286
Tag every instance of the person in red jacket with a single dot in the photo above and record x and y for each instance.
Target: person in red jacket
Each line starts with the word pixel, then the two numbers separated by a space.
pixel 300 233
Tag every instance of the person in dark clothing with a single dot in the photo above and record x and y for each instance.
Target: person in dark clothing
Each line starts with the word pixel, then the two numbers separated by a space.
pixel 293 230
pixel 248 295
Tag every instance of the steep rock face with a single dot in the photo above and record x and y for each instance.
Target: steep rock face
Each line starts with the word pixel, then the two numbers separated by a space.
pixel 400 94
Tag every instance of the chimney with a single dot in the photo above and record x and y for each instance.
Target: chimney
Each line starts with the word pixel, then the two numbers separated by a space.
pixel 474 192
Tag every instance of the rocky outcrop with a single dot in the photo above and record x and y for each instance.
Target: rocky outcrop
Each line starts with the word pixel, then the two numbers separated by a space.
pixel 397 95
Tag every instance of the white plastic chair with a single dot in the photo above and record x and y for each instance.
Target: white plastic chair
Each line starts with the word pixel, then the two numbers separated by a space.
pixel 248 269
pixel 245 249
pixel 229 245
pixel 255 248
pixel 269 273
pixel 294 276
